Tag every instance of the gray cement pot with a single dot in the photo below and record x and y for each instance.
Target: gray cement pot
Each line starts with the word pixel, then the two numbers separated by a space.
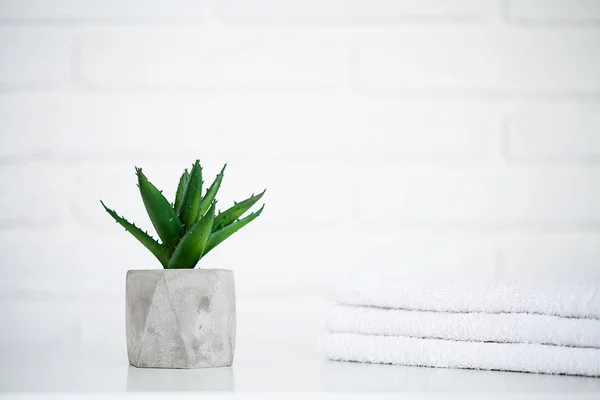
pixel 180 318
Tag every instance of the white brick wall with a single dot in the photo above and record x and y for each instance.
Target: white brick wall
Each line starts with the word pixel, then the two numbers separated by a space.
pixel 33 55
pixel 214 57
pixel 497 197
pixel 81 123
pixel 352 128
pixel 89 11
pixel 555 133
pixel 441 137
pixel 577 12
pixel 476 59
pixel 352 11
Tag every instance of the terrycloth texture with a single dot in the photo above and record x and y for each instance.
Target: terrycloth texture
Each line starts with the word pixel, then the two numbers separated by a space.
pixel 452 354
pixel 566 300
pixel 478 327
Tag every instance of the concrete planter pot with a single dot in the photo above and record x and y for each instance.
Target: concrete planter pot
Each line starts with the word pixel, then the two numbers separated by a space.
pixel 180 318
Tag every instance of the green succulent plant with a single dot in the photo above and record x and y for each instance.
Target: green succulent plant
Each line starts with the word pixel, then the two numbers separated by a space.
pixel 189 227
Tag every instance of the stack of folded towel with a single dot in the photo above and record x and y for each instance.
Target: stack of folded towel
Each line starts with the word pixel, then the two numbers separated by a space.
pixel 541 328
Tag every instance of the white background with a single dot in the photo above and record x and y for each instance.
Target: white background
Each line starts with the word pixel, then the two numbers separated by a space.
pixel 456 138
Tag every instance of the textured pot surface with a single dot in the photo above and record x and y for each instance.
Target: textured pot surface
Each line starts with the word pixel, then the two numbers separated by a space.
pixel 180 318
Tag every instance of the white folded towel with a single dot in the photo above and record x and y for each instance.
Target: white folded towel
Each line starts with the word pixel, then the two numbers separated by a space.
pixel 566 300
pixel 454 354
pixel 476 326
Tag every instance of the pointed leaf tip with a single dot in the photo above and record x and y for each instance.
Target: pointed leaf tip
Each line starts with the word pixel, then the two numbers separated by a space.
pixel 218 236
pixel 189 207
pixel 180 189
pixel 211 193
pixel 156 248
pixel 230 215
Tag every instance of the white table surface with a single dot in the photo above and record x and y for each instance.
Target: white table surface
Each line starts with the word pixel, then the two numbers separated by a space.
pixel 276 351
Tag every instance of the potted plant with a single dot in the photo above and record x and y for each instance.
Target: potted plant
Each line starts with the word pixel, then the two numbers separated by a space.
pixel 179 316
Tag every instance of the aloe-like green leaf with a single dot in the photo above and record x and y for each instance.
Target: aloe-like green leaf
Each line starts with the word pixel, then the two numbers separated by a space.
pixel 181 188
pixel 163 217
pixel 211 192
pixel 156 248
pixel 220 235
pixel 192 245
pixel 189 208
pixel 230 215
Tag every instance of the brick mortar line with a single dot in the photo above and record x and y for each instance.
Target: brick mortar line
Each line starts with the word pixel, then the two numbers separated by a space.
pixel 471 229
pixel 478 228
pixel 505 139
pixel 341 159
pixel 383 22
pixel 316 22
pixel 556 24
pixel 340 22
pixel 76 49
pixel 201 20
pixel 326 90
pixel 101 22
